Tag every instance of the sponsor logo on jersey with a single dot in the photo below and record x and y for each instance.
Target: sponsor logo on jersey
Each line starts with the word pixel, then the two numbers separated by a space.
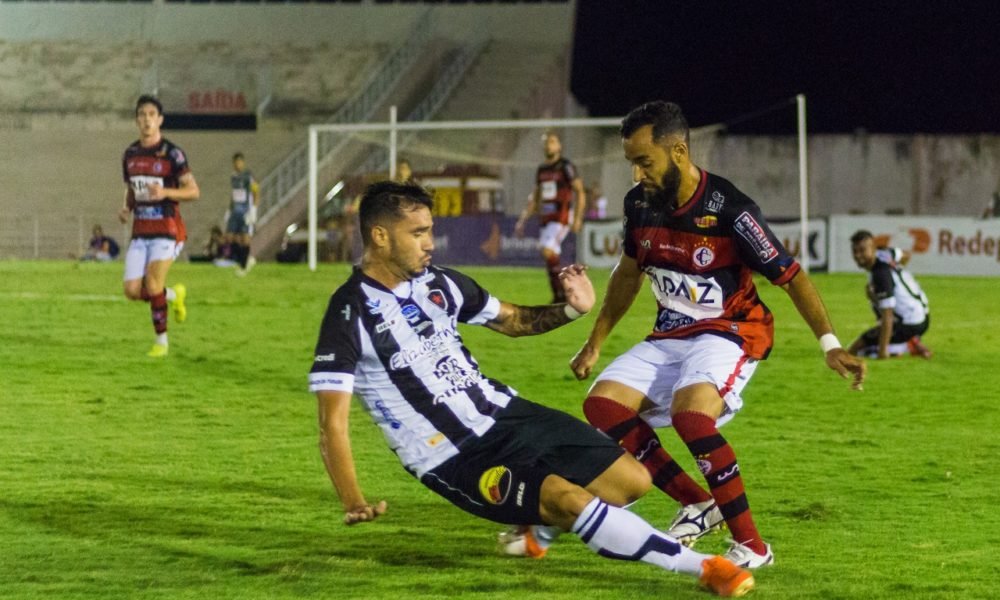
pixel 374 305
pixel 750 230
pixel 646 244
pixel 387 415
pixel 177 155
pixel 438 299
pixel 411 313
pixel 346 312
pixel 325 357
pixel 520 494
pixel 436 344
pixel 715 202
pixel 494 484
pixel 703 256
pixel 384 325
pixel 706 221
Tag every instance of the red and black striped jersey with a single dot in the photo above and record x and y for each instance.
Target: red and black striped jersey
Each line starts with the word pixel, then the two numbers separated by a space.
pixel 700 259
pixel 163 164
pixel 554 183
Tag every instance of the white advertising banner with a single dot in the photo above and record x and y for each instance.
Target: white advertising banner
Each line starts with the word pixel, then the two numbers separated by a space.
pixel 938 245
pixel 790 235
pixel 601 242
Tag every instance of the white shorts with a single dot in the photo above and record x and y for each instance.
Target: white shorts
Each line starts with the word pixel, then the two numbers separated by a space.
pixel 659 368
pixel 551 236
pixel 142 251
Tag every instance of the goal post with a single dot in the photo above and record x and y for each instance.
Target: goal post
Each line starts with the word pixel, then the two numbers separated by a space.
pixel 501 155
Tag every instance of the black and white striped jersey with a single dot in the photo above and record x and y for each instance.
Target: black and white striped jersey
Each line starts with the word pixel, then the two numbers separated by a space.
pixel 400 351
pixel 894 287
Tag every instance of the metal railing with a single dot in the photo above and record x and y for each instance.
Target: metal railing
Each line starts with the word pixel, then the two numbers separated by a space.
pixel 284 181
pixel 435 99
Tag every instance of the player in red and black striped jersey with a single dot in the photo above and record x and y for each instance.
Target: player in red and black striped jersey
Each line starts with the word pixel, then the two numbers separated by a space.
pixel 157 178
pixel 556 184
pixel 699 240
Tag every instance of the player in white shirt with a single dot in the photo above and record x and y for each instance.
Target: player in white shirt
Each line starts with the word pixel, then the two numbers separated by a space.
pixel 389 336
pixel 897 299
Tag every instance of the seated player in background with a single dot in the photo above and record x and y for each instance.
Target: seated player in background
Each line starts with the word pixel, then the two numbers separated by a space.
pixel 389 335
pixel 101 248
pixel 899 303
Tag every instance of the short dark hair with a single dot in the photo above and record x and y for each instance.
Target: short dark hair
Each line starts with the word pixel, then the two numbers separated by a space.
pixel 385 202
pixel 860 236
pixel 665 117
pixel 237 155
pixel 148 99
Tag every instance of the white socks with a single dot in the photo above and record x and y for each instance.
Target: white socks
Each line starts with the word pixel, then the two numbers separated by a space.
pixel 161 339
pixel 171 295
pixel 616 533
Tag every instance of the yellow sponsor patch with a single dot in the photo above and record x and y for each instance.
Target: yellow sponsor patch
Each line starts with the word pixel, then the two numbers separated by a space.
pixel 494 484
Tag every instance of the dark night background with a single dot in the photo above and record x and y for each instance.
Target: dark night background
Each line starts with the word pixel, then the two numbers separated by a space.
pixel 885 67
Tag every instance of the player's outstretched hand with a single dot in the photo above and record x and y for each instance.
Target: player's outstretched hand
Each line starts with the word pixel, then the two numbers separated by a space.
pixel 849 367
pixel 584 361
pixel 368 512
pixel 578 287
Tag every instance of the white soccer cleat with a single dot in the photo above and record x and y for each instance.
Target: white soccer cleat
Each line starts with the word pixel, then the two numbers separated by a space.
pixel 745 558
pixel 694 521
pixel 527 541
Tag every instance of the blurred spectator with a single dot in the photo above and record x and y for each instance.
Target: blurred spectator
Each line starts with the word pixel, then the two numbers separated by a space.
pixel 404 171
pixel 101 247
pixel 597 208
pixel 217 250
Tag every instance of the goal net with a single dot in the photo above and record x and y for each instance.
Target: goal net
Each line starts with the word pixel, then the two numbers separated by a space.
pixel 481 174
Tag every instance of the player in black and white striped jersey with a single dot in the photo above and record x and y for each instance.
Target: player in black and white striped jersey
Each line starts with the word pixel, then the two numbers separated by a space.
pixel 389 335
pixel 897 299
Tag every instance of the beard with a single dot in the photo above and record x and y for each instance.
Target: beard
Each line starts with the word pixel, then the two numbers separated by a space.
pixel 666 194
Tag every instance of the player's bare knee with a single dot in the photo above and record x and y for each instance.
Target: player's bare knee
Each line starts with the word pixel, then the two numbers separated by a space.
pixel 133 292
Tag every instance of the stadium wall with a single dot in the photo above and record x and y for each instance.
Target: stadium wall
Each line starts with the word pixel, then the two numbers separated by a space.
pixel 848 174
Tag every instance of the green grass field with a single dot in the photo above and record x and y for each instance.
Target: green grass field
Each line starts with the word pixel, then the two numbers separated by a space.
pixel 199 476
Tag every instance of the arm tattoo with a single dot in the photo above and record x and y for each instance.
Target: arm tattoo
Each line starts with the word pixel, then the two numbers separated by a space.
pixel 531 320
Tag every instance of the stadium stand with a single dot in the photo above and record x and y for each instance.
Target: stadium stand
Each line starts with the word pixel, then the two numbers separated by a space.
pixel 68 97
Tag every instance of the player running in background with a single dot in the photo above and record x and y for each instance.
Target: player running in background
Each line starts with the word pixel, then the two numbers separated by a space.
pixel 389 335
pixel 899 303
pixel 556 184
pixel 698 240
pixel 242 213
pixel 157 178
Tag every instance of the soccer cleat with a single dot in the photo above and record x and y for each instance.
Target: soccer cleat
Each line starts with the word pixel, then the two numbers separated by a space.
pixel 742 556
pixel 521 541
pixel 180 310
pixel 917 348
pixel 158 351
pixel 251 261
pixel 724 578
pixel 694 521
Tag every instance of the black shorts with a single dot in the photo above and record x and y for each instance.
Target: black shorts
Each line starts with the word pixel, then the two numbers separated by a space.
pixel 901 332
pixel 499 476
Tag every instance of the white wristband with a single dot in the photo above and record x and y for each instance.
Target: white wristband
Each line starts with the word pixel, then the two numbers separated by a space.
pixel 828 342
pixel 572 313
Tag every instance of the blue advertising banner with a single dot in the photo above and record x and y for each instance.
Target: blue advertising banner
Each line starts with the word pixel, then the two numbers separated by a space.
pixel 490 240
